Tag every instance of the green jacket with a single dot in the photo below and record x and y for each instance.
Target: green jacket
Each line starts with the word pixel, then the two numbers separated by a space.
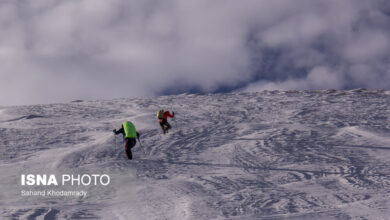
pixel 128 130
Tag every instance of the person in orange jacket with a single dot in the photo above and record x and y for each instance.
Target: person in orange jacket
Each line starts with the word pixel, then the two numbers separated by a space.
pixel 163 119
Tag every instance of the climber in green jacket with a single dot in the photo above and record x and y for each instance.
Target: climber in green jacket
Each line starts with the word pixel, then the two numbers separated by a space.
pixel 130 135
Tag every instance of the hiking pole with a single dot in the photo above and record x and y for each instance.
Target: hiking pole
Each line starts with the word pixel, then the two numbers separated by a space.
pixel 140 144
pixel 174 119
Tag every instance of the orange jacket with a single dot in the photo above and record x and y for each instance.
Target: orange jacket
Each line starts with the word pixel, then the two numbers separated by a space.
pixel 166 115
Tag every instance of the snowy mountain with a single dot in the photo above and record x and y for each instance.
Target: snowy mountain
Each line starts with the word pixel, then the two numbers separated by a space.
pixel 266 155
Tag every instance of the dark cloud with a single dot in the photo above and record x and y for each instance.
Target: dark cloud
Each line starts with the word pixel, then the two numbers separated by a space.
pixel 56 50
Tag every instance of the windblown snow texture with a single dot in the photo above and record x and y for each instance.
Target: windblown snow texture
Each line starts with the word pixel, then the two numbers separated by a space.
pixel 267 155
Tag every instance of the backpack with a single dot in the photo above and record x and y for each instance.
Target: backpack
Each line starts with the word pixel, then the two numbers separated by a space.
pixel 160 114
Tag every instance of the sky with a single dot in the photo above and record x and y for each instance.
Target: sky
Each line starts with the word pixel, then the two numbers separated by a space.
pixel 62 50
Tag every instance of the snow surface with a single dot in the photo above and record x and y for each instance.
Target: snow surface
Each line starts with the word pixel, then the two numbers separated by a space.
pixel 267 155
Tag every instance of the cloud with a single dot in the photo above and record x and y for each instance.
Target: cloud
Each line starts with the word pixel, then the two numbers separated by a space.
pixel 319 77
pixel 332 44
pixel 54 50
pixel 366 46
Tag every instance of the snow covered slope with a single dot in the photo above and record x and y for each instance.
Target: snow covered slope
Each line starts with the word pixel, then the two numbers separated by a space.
pixel 267 155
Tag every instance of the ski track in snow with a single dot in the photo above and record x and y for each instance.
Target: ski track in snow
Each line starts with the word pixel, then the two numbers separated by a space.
pixel 266 155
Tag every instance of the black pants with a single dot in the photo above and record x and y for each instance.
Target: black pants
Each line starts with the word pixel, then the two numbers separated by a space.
pixel 165 126
pixel 130 143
